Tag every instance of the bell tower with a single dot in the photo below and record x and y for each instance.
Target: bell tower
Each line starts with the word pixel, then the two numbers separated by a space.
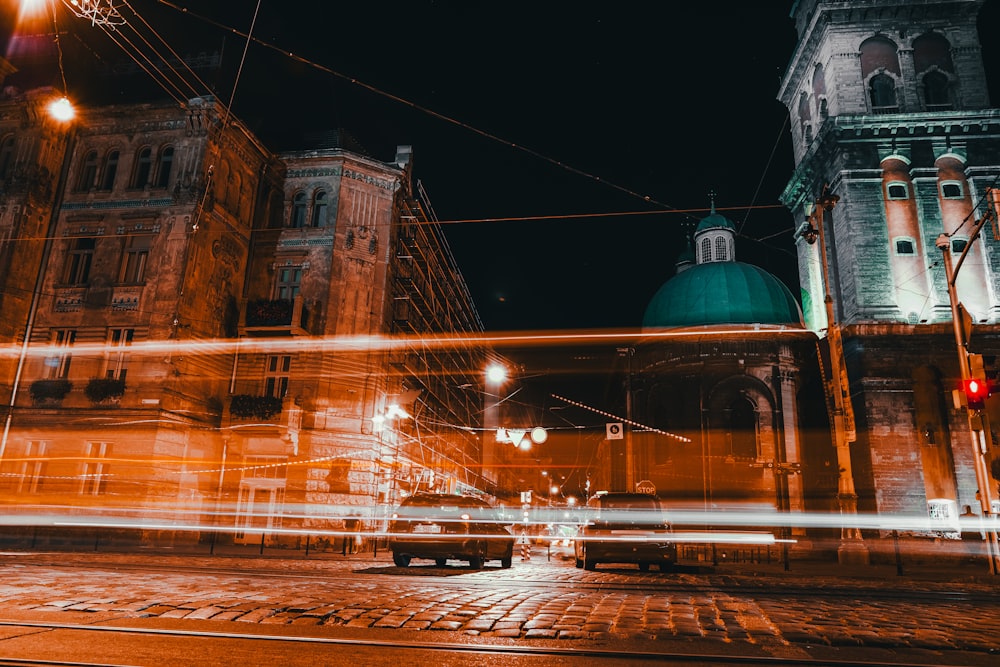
pixel 889 114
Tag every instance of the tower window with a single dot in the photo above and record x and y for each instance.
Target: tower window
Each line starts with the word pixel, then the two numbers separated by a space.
pixel 143 166
pixel 110 170
pixel 958 245
pixel 89 172
pixel 706 250
pixel 904 247
pixel 720 249
pixel 298 218
pixel 882 91
pixel 320 205
pixel 936 96
pixel 897 190
pixel 951 190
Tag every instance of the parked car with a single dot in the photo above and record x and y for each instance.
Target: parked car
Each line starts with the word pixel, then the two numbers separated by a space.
pixel 443 526
pixel 625 528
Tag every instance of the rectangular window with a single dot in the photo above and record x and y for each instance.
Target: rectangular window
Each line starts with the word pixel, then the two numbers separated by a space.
pixel 77 268
pixel 28 472
pixel 951 190
pixel 93 477
pixel 134 259
pixel 897 191
pixel 116 364
pixel 289 282
pixel 57 366
pixel 276 375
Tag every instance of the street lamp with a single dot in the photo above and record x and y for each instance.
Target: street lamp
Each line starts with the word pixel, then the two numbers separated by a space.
pixel 852 547
pixel 977 426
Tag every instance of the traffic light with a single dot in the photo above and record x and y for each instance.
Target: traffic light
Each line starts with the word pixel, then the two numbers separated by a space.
pixel 976 393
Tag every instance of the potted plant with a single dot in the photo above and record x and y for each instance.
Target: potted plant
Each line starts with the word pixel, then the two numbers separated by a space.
pixel 50 390
pixel 247 406
pixel 100 390
pixel 269 312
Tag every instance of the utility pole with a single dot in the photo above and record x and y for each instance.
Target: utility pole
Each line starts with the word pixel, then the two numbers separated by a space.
pixel 852 549
pixel 977 419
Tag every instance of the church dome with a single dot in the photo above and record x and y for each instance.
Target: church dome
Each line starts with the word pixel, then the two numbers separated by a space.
pixel 722 293
pixel 714 220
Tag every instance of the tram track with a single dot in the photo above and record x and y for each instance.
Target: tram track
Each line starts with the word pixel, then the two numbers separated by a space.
pixel 584 654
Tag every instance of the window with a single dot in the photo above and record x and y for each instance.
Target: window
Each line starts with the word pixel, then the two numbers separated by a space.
pixel 289 282
pixel 958 245
pixel 319 209
pixel 743 429
pixel 57 366
pixel 95 468
pixel 706 251
pixel 882 91
pixel 164 167
pixel 721 253
pixel 897 190
pixel 134 259
pixel 936 97
pixel 110 170
pixel 119 341
pixel 6 157
pixel 951 190
pixel 276 375
pixel 904 247
pixel 29 471
pixel 143 166
pixel 298 218
pixel 77 268
pixel 88 172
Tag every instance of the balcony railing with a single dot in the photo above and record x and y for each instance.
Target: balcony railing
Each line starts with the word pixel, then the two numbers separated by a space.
pixel 275 317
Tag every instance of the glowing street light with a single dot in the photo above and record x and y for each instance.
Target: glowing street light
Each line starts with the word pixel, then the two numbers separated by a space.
pixel 62 109
pixel 496 374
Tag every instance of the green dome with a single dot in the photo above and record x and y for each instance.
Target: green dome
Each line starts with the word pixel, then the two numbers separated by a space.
pixel 713 221
pixel 722 293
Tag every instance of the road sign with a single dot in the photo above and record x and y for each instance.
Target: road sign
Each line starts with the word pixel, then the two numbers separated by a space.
pixel 615 431
pixel 645 486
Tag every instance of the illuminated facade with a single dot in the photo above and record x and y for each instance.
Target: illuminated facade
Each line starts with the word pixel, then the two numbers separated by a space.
pixel 890 113
pixel 221 333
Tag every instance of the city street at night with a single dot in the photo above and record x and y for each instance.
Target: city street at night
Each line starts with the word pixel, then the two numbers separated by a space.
pixel 815 611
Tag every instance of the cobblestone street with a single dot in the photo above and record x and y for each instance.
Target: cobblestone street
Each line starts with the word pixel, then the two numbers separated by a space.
pixel 537 599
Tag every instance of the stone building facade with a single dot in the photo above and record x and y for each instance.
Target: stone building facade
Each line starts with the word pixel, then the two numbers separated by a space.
pixel 890 113
pixel 221 336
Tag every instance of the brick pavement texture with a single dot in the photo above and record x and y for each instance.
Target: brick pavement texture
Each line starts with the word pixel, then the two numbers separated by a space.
pixel 543 598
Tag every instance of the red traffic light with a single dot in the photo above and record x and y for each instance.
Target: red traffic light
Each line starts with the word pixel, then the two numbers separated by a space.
pixel 976 392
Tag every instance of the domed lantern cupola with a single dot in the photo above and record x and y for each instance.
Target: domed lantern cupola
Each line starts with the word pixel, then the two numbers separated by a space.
pixel 715 238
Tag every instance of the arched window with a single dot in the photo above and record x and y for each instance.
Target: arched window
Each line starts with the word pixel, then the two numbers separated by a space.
pixel 878 53
pixel 164 167
pixel 110 170
pixel 805 113
pixel 882 92
pixel 706 251
pixel 936 95
pixel 143 166
pixel 743 429
pixel 298 218
pixel 819 89
pixel 320 205
pixel 951 190
pixel 88 172
pixel 721 252
pixel 932 50
pixel 6 157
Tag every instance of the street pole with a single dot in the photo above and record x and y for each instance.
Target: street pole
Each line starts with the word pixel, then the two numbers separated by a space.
pixel 852 549
pixel 976 430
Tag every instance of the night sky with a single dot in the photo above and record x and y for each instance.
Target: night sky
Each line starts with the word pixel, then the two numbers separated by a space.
pixel 637 99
